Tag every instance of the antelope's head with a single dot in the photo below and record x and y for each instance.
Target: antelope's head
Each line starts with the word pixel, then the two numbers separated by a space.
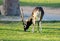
pixel 24 22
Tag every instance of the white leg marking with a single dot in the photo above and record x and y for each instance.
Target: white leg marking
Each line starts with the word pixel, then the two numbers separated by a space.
pixel 33 25
pixel 33 29
pixel 40 27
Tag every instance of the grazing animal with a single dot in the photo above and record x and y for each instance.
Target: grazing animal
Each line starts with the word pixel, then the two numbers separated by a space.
pixel 38 12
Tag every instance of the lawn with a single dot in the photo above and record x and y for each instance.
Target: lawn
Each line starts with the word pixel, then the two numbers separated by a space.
pixel 1 2
pixel 13 31
pixel 41 1
pixel 48 3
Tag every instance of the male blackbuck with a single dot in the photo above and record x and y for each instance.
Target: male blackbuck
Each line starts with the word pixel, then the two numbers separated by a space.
pixel 37 13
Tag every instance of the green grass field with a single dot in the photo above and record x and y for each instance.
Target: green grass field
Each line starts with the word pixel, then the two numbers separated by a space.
pixel 1 2
pixel 48 3
pixel 13 31
pixel 41 1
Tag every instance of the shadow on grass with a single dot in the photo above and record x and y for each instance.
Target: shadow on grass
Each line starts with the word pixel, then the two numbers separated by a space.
pixel 56 5
pixel 52 31
pixel 14 22
pixel 30 31
pixel 28 40
pixel 8 22
pixel 9 40
pixel 52 28
pixel 15 30
pixel 53 21
pixel 12 30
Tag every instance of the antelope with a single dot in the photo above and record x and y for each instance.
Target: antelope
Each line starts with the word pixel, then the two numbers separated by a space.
pixel 37 13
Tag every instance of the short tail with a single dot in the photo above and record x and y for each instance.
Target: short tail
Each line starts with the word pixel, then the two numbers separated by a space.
pixel 42 13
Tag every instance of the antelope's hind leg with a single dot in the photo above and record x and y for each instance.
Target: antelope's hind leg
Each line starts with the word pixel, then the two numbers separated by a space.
pixel 39 27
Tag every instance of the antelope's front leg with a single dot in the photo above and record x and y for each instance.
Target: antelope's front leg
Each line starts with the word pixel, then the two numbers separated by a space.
pixel 33 25
pixel 40 27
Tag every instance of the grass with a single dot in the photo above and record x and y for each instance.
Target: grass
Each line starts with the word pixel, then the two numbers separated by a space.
pixel 48 3
pixel 41 1
pixel 1 2
pixel 13 31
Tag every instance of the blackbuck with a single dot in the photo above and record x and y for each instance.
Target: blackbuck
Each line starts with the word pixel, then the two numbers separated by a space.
pixel 38 14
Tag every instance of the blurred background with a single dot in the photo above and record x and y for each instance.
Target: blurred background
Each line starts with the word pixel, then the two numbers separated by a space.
pixel 51 9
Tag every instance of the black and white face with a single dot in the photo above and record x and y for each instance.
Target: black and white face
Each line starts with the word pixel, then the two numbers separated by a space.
pixel 25 27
